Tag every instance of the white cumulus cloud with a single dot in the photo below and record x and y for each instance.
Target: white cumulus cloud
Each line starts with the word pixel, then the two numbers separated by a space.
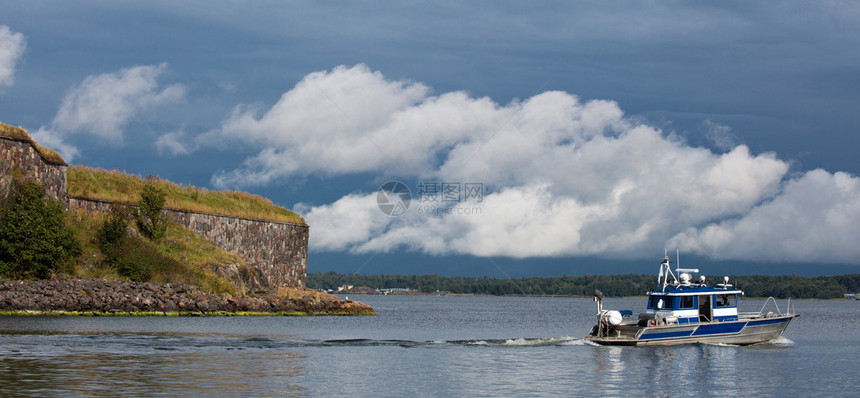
pixel 102 105
pixel 12 45
pixel 562 176
pixel 816 218
pixel 360 212
pixel 351 120
pixel 720 135
pixel 172 144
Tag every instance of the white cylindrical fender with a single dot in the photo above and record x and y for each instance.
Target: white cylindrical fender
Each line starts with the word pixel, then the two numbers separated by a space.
pixel 613 317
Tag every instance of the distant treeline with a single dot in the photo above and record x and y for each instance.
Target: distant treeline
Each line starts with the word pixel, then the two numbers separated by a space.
pixel 783 286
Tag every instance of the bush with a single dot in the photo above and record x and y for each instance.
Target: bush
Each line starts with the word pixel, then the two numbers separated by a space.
pixel 149 218
pixel 34 240
pixel 133 260
pixel 130 256
pixel 113 232
pixel 139 261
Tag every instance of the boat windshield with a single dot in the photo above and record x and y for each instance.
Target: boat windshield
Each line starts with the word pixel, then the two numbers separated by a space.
pixel 658 302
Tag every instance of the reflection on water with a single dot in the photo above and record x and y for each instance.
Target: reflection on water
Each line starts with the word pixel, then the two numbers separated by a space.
pixel 694 369
pixel 610 369
pixel 93 365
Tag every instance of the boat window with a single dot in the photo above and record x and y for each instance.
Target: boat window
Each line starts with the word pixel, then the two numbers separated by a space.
pixel 687 302
pixel 725 300
pixel 656 302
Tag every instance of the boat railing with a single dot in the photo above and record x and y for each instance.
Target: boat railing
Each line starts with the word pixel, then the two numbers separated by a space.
pixel 762 314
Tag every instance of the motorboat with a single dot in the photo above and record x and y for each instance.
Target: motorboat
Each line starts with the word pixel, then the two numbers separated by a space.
pixel 683 311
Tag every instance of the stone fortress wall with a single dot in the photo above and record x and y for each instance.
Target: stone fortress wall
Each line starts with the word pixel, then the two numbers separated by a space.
pixel 17 154
pixel 276 252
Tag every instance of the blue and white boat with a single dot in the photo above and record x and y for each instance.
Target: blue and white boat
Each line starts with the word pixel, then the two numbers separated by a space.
pixel 683 311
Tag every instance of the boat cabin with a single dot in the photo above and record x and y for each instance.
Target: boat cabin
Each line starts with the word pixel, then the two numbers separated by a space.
pixel 682 301
pixel 693 305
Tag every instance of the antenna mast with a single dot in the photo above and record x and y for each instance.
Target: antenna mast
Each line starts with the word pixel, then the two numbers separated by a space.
pixel 666 270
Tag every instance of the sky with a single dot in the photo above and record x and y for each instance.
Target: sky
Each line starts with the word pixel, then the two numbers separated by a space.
pixel 503 139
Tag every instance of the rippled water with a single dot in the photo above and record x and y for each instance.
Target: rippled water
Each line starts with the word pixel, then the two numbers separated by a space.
pixel 439 346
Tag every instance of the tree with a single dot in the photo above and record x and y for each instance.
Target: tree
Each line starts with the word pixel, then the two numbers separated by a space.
pixel 34 239
pixel 151 222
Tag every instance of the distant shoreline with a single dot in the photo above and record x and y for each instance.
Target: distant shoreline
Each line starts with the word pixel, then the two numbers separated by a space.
pixel 564 296
pixel 621 285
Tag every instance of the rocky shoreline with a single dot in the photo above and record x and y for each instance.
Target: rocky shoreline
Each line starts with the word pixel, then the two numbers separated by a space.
pixel 72 296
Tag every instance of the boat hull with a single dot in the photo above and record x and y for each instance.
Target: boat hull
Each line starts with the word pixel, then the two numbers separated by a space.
pixel 741 332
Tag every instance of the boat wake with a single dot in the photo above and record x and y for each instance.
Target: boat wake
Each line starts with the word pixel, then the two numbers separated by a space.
pixel 213 341
pixel 781 340
pixel 147 343
pixel 515 342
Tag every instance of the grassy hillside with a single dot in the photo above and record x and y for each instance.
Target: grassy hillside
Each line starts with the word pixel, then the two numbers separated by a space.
pixel 116 186
pixel 181 257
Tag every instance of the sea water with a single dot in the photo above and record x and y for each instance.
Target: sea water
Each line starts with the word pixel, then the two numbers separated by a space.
pixel 420 346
